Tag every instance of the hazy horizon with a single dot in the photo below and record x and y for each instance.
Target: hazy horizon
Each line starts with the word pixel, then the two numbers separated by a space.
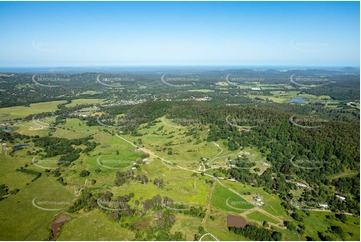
pixel 73 34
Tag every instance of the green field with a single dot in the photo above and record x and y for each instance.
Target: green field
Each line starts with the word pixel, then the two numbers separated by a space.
pixel 93 226
pixel 85 101
pixel 318 222
pixel 201 90
pixel 32 224
pixel 22 111
pixel 224 199
pixel 185 224
pixel 258 216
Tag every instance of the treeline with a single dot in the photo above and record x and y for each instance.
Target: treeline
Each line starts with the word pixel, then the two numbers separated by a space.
pixel 345 90
pixel 256 233
pixel 31 172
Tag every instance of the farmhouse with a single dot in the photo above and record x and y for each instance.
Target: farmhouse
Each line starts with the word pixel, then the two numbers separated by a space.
pixel 300 185
pixel 323 205
pixel 342 198
pixel 351 104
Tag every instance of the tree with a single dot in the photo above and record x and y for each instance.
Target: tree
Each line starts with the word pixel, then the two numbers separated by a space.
pixel 114 216
pixel 84 173
pixel 158 182
pixel 342 217
pixel 277 236
pixel 4 190
pixel 201 230
pixel 265 224
pixel 336 229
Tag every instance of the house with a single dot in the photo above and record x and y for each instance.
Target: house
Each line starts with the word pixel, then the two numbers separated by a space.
pixel 342 198
pixel 300 185
pixel 323 205
pixel 265 164
pixel 256 89
pixel 257 198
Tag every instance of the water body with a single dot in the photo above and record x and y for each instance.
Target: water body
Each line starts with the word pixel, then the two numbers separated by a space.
pixel 19 146
pixel 236 221
pixel 7 129
pixel 56 225
pixel 297 100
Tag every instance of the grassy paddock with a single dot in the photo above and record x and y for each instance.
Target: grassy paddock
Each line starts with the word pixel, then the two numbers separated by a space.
pixel 85 101
pixel 224 199
pixel 22 111
pixel 258 216
pixel 22 220
pixel 94 225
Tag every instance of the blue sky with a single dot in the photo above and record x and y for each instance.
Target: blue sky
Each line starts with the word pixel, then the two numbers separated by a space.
pixel 179 33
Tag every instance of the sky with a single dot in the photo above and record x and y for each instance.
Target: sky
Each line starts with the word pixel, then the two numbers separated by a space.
pixel 42 34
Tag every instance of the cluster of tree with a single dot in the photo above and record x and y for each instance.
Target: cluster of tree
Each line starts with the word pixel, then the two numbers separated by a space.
pixel 73 89
pixel 10 137
pixel 122 177
pixel 158 182
pixel 84 173
pixel 342 217
pixel 345 90
pixel 62 182
pixel 4 191
pixel 348 185
pixel 60 146
pixel 142 178
pixel 86 201
pixel 323 237
pixel 119 206
pixel 201 231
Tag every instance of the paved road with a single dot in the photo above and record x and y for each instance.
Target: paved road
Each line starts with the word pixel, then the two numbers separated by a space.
pixel 214 237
